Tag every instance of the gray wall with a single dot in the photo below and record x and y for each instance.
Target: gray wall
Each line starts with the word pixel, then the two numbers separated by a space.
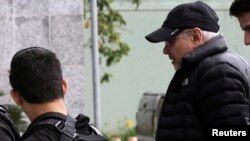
pixel 53 24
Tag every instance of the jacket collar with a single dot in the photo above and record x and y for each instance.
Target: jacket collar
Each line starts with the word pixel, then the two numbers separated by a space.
pixel 82 120
pixel 214 46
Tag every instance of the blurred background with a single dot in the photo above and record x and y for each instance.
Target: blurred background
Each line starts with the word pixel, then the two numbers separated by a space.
pixel 129 65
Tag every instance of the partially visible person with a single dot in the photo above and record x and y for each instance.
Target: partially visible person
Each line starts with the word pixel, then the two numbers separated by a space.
pixel 241 10
pixel 38 88
pixel 211 86
pixel 8 130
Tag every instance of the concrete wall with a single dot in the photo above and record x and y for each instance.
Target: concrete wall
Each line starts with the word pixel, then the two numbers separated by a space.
pixel 53 24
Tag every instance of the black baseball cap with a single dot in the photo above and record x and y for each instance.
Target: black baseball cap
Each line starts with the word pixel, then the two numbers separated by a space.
pixel 186 16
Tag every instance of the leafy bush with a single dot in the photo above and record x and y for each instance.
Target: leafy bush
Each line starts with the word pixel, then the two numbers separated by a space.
pixel 123 130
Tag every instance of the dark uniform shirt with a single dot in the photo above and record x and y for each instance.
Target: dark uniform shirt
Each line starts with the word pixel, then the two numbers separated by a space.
pixel 48 132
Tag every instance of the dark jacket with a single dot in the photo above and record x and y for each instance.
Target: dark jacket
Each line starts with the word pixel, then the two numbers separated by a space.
pixel 5 133
pixel 48 133
pixel 210 90
pixel 8 130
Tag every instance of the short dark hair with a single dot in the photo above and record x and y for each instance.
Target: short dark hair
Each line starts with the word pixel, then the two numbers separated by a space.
pixel 36 73
pixel 239 7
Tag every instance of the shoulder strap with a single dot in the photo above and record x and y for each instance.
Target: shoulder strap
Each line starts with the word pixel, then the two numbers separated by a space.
pixel 69 130
pixel 65 127
pixel 96 131
pixel 4 115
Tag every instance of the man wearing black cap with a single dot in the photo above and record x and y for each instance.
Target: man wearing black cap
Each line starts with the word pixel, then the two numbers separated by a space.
pixel 241 10
pixel 210 89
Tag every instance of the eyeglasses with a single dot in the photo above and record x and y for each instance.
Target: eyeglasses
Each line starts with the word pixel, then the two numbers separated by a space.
pixel 181 34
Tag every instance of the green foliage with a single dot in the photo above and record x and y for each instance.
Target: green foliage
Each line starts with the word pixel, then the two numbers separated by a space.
pixel 1 93
pixel 17 117
pixel 105 77
pixel 123 130
pixel 136 2
pixel 111 48
pixel 16 114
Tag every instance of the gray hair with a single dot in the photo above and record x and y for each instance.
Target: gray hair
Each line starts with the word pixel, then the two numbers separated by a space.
pixel 207 35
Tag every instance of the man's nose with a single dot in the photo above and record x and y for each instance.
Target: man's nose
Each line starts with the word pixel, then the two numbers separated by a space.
pixel 166 50
pixel 247 38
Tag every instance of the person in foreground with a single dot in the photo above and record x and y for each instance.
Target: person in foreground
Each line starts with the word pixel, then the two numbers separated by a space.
pixel 39 89
pixel 209 91
pixel 241 10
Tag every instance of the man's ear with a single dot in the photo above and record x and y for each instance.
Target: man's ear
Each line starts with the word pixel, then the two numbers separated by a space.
pixel 197 37
pixel 16 97
pixel 64 86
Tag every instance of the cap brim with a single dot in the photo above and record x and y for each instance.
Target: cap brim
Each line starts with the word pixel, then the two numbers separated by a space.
pixel 160 35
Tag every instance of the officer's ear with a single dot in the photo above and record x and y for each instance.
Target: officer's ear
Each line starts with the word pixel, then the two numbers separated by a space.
pixel 64 86
pixel 17 97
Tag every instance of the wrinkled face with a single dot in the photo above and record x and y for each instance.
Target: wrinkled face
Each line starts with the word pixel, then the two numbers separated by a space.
pixel 244 21
pixel 178 47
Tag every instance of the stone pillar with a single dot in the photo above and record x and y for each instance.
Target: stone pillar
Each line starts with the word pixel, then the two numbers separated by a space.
pixel 53 24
